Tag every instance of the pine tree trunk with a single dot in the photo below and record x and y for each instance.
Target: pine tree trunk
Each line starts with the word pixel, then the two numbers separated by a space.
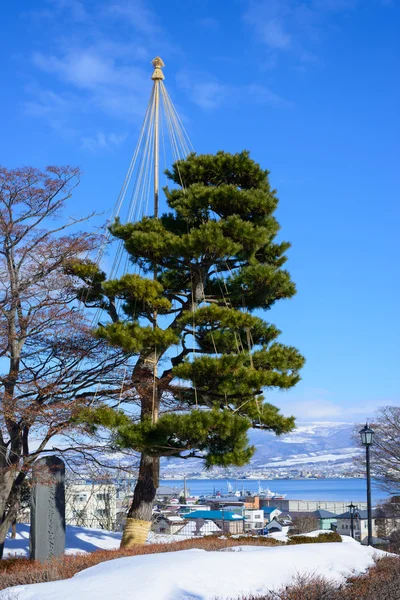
pixel 139 517
pixel 138 522
pixel 145 490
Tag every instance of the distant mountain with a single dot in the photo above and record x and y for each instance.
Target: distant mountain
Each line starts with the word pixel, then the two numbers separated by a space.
pixel 311 445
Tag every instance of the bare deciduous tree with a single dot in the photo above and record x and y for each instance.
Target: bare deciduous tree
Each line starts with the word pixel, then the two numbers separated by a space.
pixel 385 450
pixel 51 365
pixel 304 524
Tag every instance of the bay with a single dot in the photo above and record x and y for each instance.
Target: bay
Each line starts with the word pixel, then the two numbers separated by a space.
pixel 348 490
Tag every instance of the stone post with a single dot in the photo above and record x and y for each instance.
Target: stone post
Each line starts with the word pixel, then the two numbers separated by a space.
pixel 47 533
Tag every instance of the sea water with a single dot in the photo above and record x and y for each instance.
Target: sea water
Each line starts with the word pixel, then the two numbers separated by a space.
pixel 341 489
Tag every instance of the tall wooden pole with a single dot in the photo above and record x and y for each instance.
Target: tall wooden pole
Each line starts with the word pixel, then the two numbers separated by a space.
pixel 157 77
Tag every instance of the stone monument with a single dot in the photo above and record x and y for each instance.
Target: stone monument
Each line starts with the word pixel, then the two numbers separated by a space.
pixel 47 534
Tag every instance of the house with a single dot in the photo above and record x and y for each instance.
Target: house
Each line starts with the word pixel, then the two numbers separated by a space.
pixel 253 519
pixel 275 527
pixel 326 518
pixel 199 528
pixel 270 513
pixel 167 492
pixel 227 521
pixel 360 525
pixel 170 524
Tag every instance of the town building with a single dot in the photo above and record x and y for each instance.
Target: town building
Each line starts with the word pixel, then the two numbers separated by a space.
pixel 169 524
pixel 326 519
pixel 360 525
pixel 270 513
pixel 165 492
pixel 91 505
pixel 199 528
pixel 227 521
pixel 253 519
pixel 292 506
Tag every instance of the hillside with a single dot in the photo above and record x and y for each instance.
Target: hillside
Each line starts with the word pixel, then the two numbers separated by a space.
pixel 310 445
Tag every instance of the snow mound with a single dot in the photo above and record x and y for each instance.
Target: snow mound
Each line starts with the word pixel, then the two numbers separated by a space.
pixel 201 575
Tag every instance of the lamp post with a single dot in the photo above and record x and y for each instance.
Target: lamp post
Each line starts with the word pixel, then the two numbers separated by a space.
pixel 367 436
pixel 352 507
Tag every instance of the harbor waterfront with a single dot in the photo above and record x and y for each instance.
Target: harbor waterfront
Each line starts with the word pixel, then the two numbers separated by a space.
pixel 351 490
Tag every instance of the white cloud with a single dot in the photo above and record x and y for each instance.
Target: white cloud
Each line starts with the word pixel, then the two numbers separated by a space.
pixel 273 33
pixel 311 406
pixel 137 13
pixel 54 107
pixel 74 7
pixel 111 85
pixel 285 25
pixel 211 94
pixel 103 141
pixel 264 95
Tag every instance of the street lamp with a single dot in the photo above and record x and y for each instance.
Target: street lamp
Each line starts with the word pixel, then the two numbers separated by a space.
pixel 352 508
pixel 367 436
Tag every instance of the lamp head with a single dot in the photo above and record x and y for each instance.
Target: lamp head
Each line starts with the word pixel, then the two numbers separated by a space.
pixel 367 435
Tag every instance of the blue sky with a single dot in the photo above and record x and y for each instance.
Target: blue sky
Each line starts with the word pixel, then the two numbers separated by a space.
pixel 311 88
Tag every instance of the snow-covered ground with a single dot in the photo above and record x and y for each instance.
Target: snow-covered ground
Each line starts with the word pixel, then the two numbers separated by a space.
pixel 201 575
pixel 85 539
pixel 78 539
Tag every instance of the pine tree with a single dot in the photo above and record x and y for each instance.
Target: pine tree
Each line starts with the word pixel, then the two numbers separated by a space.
pixel 216 262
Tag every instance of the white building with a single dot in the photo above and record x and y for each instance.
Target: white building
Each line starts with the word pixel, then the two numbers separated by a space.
pixel 360 525
pixel 253 519
pixel 91 505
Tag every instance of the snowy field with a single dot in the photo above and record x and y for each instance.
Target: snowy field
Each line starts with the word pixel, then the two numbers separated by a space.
pixel 84 539
pixel 78 539
pixel 201 575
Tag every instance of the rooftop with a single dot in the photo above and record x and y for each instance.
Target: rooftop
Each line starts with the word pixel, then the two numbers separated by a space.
pixel 359 514
pixel 268 509
pixel 321 513
pixel 219 515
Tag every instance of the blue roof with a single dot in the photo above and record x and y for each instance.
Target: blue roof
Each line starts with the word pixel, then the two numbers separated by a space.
pixel 220 515
pixel 269 509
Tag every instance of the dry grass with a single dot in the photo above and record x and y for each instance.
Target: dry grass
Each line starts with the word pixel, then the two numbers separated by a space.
pixel 380 582
pixel 22 571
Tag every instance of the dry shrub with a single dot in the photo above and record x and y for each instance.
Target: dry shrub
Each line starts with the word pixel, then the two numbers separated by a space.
pixel 304 587
pixel 381 582
pixel 22 571
pixel 331 536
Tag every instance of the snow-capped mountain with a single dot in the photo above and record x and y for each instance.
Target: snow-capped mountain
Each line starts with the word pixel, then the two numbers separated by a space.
pixel 310 445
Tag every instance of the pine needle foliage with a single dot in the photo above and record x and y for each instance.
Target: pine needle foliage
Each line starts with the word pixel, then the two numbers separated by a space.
pixel 217 262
